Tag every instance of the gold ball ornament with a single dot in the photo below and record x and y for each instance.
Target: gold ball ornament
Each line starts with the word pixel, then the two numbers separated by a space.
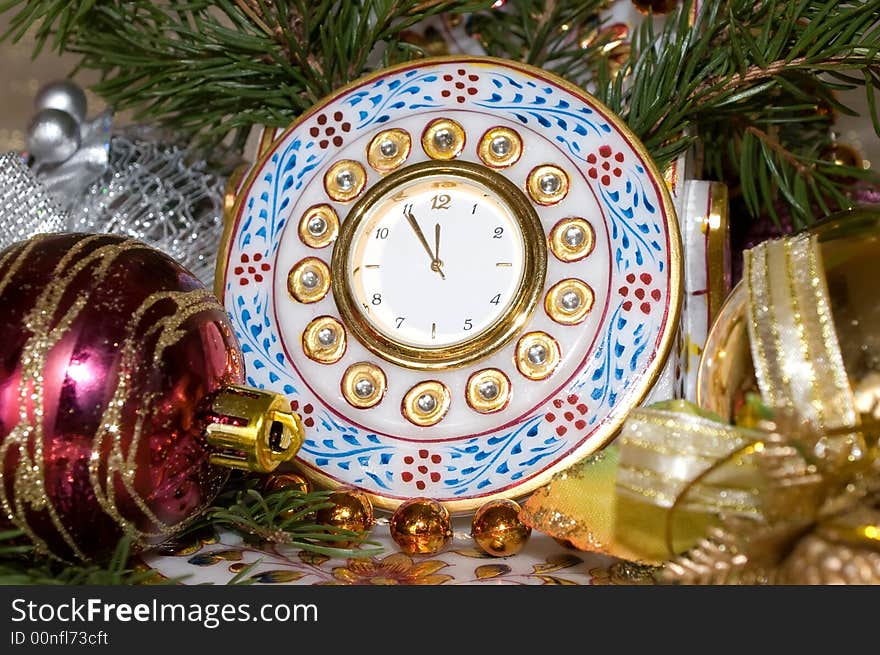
pixel 498 530
pixel 421 526
pixel 351 510
pixel 292 481
pixel 850 244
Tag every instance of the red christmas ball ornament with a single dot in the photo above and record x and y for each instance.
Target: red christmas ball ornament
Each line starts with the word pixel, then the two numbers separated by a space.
pixel 118 396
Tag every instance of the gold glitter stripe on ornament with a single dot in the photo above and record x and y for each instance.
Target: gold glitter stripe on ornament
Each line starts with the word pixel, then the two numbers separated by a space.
pixel 798 362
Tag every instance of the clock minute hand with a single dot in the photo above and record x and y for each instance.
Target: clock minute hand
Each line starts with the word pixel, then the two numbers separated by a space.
pixel 421 235
pixel 437 264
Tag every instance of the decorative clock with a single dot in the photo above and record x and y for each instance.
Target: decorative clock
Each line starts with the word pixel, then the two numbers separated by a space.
pixel 462 272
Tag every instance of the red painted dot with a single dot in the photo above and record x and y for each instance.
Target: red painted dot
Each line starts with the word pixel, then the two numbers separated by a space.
pixel 619 156
pixel 582 409
pixel 561 430
pixel 640 293
pixel 322 119
pixel 337 116
pixel 591 158
pixel 473 78
pixel 245 258
pixel 631 278
pixel 423 469
pixel 623 291
pixel 617 172
pixel 472 91
pixel 655 294
pixel 646 278
pixel 448 78
pixel 308 408
pixel 549 417
pixel 462 71
pixel 459 85
pixel 627 306
pixel 572 399
pixel 251 270
pixel 323 143
pixel 460 98
pixel 557 403
pixel 436 458
pixel 645 307
pixel 294 405
pixel 605 151
pixel 435 477
pixel 606 180
pixel 420 485
pixel 314 131
pixel 423 453
pixel 309 422
pixel 243 282
pixel 258 256
pixel 258 278
pixel 569 416
pixel 580 424
pixel 592 173
pixel 408 459
pixel 445 93
pixel 606 166
pixel 406 476
pixel 238 270
pixel 330 131
pixel 337 141
pixel 264 266
pixel 346 127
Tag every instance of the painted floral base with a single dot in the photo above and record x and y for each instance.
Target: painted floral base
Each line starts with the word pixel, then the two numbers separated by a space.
pixel 220 559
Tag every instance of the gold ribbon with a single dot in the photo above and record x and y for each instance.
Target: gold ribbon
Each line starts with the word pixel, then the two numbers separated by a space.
pixel 737 501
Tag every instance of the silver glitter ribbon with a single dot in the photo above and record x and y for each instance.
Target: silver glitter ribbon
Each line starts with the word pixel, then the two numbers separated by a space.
pixel 26 207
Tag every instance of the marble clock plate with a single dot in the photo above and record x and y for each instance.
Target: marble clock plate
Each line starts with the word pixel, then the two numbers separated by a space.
pixel 608 362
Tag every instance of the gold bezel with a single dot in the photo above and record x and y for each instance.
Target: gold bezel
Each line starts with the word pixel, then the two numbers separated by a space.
pixel 300 292
pixel 547 198
pixel 480 404
pixel 359 175
pixel 545 369
pixel 484 150
pixel 326 212
pixel 565 316
pixel 568 254
pixel 655 368
pixel 363 371
pixel 315 350
pixel 400 138
pixel 415 415
pixel 459 137
pixel 531 283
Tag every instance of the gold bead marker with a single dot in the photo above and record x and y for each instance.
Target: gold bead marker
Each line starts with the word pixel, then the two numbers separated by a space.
pixel 389 149
pixel 252 430
pixel 498 530
pixel 537 355
pixel 426 403
pixel 319 226
pixel 345 180
pixel 309 280
pixel 500 147
pixel 568 302
pixel 488 391
pixel 324 340
pixel 547 184
pixel 443 139
pixel 572 239
pixel 363 385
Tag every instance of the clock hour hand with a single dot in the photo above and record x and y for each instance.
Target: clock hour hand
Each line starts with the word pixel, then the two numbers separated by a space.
pixel 421 235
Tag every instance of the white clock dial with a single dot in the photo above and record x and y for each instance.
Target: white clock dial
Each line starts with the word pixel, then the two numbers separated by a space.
pixel 436 261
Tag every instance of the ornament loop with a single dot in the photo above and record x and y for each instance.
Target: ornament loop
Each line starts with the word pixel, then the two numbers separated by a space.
pixel 252 430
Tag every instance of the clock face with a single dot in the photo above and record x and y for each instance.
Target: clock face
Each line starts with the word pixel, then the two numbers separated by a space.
pixel 439 264
pixel 463 273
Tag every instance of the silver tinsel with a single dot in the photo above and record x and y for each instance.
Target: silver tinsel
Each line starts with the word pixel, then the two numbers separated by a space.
pixel 26 208
pixel 154 191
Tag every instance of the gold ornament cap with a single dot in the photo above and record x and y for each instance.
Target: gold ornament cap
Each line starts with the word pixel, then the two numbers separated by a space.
pixel 251 429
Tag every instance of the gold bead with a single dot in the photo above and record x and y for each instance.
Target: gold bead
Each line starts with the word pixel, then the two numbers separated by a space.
pixel 389 149
pixel 319 226
pixel 500 147
pixel 488 391
pixel 426 403
pixel 498 530
pixel 421 526
pixel 308 280
pixel 324 340
pixel 345 180
pixel 572 239
pixel 547 184
pixel 363 385
pixel 443 139
pixel 569 301
pixel 351 510
pixel 537 355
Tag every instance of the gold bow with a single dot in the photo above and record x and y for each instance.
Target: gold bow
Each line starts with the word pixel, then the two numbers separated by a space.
pixel 794 497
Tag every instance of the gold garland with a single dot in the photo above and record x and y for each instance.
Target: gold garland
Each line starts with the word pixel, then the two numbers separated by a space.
pixel 792 498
